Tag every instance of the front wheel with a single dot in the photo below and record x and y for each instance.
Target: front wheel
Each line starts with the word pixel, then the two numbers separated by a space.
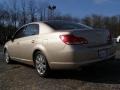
pixel 41 64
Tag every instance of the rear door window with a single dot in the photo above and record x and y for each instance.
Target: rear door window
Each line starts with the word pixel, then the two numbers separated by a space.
pixel 32 29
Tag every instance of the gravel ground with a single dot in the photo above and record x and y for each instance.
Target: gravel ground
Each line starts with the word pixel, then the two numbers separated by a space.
pixel 98 76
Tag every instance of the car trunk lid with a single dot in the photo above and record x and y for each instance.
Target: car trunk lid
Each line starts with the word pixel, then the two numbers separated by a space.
pixel 94 37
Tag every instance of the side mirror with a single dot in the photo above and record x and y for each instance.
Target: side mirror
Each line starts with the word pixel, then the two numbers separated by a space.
pixel 117 41
pixel 8 37
pixel 12 38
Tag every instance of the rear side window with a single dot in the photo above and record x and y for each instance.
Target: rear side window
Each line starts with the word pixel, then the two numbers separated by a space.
pixel 32 29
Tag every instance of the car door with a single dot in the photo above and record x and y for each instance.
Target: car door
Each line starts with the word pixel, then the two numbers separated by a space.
pixel 14 45
pixel 28 41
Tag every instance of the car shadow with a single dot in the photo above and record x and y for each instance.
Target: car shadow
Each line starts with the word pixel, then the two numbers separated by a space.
pixel 107 72
pixel 21 64
pixel 102 72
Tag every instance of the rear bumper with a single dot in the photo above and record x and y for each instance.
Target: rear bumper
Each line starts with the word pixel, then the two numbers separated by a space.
pixel 72 57
pixel 74 65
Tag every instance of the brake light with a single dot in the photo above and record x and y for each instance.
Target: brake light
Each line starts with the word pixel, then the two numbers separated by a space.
pixel 71 39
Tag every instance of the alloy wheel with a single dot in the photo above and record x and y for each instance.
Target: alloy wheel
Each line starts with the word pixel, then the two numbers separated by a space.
pixel 41 64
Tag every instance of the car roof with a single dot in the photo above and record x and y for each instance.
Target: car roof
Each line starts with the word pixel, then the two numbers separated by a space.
pixel 48 21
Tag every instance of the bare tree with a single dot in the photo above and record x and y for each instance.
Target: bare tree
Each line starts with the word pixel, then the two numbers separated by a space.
pixel 32 10
pixel 42 10
pixel 23 12
pixel 13 11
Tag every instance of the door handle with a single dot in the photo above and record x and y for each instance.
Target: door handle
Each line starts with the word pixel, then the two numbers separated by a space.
pixel 33 41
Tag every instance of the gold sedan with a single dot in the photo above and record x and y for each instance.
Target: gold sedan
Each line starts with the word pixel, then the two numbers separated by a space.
pixel 58 45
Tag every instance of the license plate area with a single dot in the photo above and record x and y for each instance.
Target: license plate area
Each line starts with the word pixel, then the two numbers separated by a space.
pixel 102 53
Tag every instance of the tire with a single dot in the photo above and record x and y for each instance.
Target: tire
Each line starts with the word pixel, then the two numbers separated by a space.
pixel 7 57
pixel 41 64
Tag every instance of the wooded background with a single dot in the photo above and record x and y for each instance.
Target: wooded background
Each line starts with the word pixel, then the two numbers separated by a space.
pixel 16 13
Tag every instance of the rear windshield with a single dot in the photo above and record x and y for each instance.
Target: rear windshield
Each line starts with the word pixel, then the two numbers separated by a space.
pixel 66 25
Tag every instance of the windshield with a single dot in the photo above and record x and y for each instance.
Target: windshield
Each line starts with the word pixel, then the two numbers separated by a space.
pixel 60 25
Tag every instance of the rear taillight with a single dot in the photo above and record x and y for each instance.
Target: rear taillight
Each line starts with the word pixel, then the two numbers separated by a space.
pixel 71 39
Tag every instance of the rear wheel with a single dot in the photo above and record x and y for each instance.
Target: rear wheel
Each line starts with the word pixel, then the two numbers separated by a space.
pixel 41 64
pixel 7 58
